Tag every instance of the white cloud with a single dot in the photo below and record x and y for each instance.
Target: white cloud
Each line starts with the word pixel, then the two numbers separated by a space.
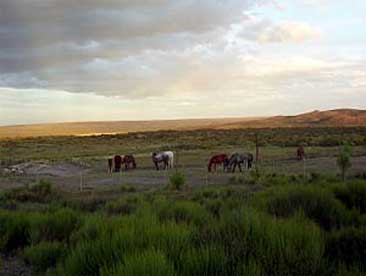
pixel 296 32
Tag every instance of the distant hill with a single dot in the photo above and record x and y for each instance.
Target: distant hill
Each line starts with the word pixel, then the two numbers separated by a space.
pixel 331 118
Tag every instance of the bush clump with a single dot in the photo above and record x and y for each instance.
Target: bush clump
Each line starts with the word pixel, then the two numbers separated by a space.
pixel 347 246
pixel 353 195
pixel 316 203
pixel 123 206
pixel 150 263
pixel 54 226
pixel 39 192
pixel 14 230
pixel 44 255
pixel 177 180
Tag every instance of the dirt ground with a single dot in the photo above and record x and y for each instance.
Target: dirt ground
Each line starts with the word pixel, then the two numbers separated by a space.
pixel 94 175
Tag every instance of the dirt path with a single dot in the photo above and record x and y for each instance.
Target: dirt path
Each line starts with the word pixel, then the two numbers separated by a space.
pixel 69 176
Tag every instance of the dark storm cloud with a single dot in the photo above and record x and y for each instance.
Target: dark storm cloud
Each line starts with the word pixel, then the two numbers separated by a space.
pixel 46 39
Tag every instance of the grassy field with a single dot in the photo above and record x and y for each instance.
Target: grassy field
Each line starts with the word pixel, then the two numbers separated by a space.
pixel 284 217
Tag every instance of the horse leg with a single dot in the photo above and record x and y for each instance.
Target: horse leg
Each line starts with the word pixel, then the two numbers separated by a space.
pixel 240 167
pixel 156 165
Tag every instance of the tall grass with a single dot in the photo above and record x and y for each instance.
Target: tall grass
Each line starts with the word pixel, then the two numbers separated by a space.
pixel 150 262
pixel 44 255
pixel 285 230
pixel 353 195
pixel 318 204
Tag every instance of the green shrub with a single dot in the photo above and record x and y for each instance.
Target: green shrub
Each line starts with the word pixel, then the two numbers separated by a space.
pixel 125 236
pixel 43 255
pixel 150 262
pixel 177 180
pixel 205 260
pixel 14 230
pixel 183 211
pixel 291 247
pixel 347 246
pixel 37 192
pixel 353 195
pixel 91 229
pixel 123 206
pixel 87 204
pixel 127 188
pixel 317 204
pixel 54 226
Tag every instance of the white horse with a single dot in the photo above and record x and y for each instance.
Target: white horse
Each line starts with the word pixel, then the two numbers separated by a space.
pixel 167 157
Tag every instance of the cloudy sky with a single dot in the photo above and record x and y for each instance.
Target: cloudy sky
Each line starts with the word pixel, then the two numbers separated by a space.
pixel 74 60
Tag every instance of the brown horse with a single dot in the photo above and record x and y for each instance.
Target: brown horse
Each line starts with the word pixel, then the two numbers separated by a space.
pixel 300 153
pixel 117 163
pixel 129 162
pixel 218 160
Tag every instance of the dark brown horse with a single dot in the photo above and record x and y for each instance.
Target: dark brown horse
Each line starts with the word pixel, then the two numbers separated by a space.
pixel 117 163
pixel 300 153
pixel 129 162
pixel 218 160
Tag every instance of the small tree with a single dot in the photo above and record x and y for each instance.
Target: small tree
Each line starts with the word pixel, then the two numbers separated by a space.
pixel 344 159
pixel 177 180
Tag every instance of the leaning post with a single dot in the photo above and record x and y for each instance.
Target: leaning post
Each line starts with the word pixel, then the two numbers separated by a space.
pixel 256 148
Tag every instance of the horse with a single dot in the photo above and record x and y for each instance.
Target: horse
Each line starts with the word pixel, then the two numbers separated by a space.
pixel 117 162
pixel 129 162
pixel 218 160
pixel 237 159
pixel 300 153
pixel 165 157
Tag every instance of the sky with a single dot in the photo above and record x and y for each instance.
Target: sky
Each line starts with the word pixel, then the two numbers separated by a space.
pixel 63 60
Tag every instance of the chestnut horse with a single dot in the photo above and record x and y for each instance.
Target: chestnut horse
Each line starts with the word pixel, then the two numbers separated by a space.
pixel 218 160
pixel 129 162
pixel 115 163
pixel 300 153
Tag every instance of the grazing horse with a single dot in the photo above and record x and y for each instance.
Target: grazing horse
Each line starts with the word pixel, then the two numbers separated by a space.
pixel 129 162
pixel 218 160
pixel 117 163
pixel 165 157
pixel 300 153
pixel 237 159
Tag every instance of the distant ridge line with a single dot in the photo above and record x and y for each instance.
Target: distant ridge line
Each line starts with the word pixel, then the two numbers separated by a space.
pixel 329 118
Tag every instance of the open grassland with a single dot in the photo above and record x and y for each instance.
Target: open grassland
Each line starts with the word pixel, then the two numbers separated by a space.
pixel 284 217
